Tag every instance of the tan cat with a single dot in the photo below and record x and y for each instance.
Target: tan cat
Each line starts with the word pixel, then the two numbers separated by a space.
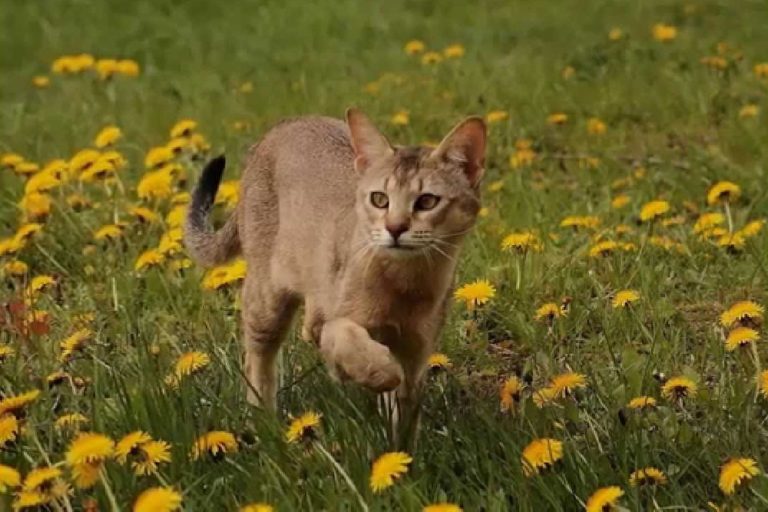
pixel 366 234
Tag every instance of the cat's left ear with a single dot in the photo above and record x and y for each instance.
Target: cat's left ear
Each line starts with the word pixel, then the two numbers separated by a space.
pixel 465 146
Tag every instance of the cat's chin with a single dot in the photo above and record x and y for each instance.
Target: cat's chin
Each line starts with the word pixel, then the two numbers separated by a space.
pixel 399 252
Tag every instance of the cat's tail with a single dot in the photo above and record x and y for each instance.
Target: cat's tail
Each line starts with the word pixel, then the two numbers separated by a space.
pixel 209 248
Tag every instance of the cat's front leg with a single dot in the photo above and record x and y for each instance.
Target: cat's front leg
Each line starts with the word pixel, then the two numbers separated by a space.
pixel 405 402
pixel 351 354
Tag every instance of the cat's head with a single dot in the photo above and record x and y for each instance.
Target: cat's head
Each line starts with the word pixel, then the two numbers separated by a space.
pixel 411 199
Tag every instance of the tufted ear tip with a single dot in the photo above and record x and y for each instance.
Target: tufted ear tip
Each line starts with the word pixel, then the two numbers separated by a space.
pixel 465 144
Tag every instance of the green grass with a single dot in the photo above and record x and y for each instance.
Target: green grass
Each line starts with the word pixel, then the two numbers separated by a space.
pixel 664 111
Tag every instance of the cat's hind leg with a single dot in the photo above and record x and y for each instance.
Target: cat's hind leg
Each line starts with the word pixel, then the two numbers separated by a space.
pixel 267 314
pixel 351 354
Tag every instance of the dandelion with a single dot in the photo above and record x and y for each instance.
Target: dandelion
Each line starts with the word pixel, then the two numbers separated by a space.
pixel 106 68
pixel 715 62
pixel 414 47
pixel 707 221
pixel 41 81
pixel 89 448
pixel 158 499
pixel 40 487
pixel 257 507
pixel 642 402
pixel 388 468
pixel 143 214
pixel 548 312
pixel 147 259
pixel 438 361
pixel 750 110
pixel 43 181
pixel 496 116
pixel 431 58
pixel 603 248
pixel 664 33
pixel 615 34
pixel 157 157
pixel 6 351
pixel 564 384
pixel 723 191
pixel 36 205
pixel 109 232
pixel 524 154
pixel 510 393
pixel 155 185
pixel 145 452
pixel 454 51
pixel 604 499
pixel 541 454
pixel 476 293
pixel 400 118
pixel 653 209
pixel 215 443
pixel 223 275
pixel 183 128
pixel 568 72
pixel 9 478
pixel 9 429
pixel 26 168
pixel 191 362
pixel 303 428
pixel 74 343
pixel 129 443
pixel 678 388
pixel 15 404
pixel 573 221
pixel 521 242
pixel 743 312
pixel 442 507
pixel 624 298
pixel 596 126
pixel 86 475
pixel 557 118
pixel 70 421
pixel 735 472
pixel 751 229
pixel 761 70
pixel 107 136
pixel 740 337
pixel 544 396
pixel 734 242
pixel 647 476
pixel 762 382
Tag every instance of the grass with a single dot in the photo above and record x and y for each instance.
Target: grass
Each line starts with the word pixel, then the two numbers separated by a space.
pixel 665 112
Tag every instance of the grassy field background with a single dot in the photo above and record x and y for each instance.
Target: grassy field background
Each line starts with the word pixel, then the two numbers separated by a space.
pixel 673 127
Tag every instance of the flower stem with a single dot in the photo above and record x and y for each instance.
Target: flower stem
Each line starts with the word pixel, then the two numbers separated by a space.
pixel 108 490
pixel 727 207
pixel 343 474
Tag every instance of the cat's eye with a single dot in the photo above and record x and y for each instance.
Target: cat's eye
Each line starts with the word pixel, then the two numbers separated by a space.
pixel 379 200
pixel 426 202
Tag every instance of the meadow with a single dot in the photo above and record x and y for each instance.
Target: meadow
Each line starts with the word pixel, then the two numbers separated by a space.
pixel 606 347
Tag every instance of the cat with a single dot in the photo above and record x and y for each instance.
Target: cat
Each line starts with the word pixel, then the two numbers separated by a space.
pixel 365 233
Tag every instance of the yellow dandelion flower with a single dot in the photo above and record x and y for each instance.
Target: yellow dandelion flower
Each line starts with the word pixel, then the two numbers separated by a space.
pixel 36 205
pixel 74 343
pixel 735 472
pixel 303 427
pixel 653 209
pixel 106 68
pixel 257 507
pixel 557 118
pixel 615 34
pixel 568 72
pixel 30 499
pixel 129 443
pixel 544 396
pixel 642 402
pixel 586 221
pixel 40 283
pixel 26 168
pixel 189 363
pixel 442 507
pixel 761 70
pixel 15 404
pixel 522 157
pixel 679 387
pixel 147 259
pixel 83 160
pixel 414 46
pixel 564 384
pixel 624 298
pixel 149 456
pixel 107 136
pixel 734 242
pixel 86 475
pixel 603 248
pixel 476 293
pixel 740 337
pixel 158 499
pixel 223 275
pixel 9 478
pixel 762 382
pixel 750 110
pixel 11 160
pixel 707 221
pixel 15 268
pixel 664 33
pixel 6 351
pixel 388 468
pixel 647 476
pixel 178 265
pixel 108 232
pixel 89 448
pixel 454 51
pixel 596 126
pixel 78 202
pixel 177 145
pixel 541 454
pixel 183 128
pixel 438 361
pixel 143 214
pixel 400 118
pixel 723 191
pixel 548 312
pixel 510 393
pixel 100 170
pixel 169 244
pixel 604 499
pixel 496 116
pixel 70 421
pixel 751 229
pixel 176 216
pixel 41 81
pixel 521 242
pixel 43 181
pixel 127 67
pixel 715 62
pixel 155 184
pixel 9 429
pixel 11 246
pixel 742 311
pixel 157 157
pixel 431 58
pixel 216 443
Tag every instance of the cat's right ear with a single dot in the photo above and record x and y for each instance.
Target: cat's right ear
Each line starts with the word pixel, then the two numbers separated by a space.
pixel 368 142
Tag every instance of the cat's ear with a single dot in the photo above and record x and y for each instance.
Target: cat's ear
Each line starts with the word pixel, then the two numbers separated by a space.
pixel 465 146
pixel 368 142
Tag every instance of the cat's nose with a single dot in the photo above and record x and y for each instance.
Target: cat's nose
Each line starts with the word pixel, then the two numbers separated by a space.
pixel 396 229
